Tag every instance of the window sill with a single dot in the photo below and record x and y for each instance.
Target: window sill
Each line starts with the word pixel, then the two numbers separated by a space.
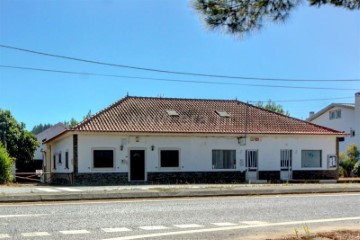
pixel 103 169
pixel 169 168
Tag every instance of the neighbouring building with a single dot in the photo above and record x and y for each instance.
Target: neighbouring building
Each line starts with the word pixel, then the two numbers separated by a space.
pixel 342 117
pixel 44 135
pixel 170 140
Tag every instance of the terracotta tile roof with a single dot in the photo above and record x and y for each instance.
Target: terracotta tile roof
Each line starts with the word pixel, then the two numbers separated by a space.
pixel 150 115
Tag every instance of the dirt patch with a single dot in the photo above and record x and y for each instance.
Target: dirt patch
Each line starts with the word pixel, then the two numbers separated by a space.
pixel 333 235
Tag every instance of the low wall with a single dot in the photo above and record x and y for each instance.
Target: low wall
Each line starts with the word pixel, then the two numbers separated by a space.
pixel 316 174
pixel 195 177
pixel 272 176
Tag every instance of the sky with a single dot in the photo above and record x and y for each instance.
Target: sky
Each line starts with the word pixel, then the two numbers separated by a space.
pixel 314 43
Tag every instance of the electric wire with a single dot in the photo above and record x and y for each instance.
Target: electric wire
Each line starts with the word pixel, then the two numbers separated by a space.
pixel 175 80
pixel 173 72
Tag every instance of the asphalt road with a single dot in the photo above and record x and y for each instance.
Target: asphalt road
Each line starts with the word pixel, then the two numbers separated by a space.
pixel 190 218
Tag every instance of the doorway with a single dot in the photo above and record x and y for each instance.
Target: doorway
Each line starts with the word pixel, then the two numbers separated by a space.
pixel 137 165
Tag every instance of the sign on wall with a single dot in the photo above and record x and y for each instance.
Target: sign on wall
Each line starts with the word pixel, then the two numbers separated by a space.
pixel 332 161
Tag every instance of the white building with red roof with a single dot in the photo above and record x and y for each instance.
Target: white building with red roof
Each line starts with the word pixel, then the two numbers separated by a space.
pixel 171 140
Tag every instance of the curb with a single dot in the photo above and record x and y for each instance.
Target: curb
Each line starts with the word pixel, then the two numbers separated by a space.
pixel 170 194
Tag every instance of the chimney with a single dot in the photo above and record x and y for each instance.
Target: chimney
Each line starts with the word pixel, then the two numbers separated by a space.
pixel 312 113
pixel 357 113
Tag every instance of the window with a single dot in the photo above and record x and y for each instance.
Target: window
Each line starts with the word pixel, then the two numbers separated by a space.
pixel 54 161
pixel 310 158
pixel 67 160
pixel 169 158
pixel 336 114
pixel 103 158
pixel 352 133
pixel 251 157
pixel 223 114
pixel 285 159
pixel 60 161
pixel 171 112
pixel 224 159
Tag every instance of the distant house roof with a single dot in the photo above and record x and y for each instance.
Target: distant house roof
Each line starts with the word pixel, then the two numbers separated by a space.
pixel 332 105
pixel 51 132
pixel 151 115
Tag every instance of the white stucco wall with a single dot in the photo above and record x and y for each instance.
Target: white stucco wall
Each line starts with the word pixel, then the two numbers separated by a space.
pixel 346 123
pixel 62 146
pixel 195 151
pixel 350 120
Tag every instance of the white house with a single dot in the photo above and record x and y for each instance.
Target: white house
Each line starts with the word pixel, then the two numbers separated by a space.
pixel 169 140
pixel 342 117
pixel 44 135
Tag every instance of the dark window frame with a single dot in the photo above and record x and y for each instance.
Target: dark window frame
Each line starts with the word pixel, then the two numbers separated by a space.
pixel 103 165
pixel 67 160
pixel 60 160
pixel 54 161
pixel 171 165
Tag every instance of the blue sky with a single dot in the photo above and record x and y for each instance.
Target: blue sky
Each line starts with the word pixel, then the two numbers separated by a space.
pixel 314 43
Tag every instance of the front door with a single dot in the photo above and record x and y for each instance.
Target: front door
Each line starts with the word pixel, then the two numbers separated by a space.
pixel 286 174
pixel 286 165
pixel 137 165
pixel 251 163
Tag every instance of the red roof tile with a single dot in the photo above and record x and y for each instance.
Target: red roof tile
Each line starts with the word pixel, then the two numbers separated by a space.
pixel 149 115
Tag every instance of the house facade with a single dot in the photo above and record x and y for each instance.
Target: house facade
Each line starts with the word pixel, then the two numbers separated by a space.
pixel 165 140
pixel 342 117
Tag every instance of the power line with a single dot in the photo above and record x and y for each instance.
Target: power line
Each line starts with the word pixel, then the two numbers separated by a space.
pixel 305 100
pixel 175 80
pixel 175 72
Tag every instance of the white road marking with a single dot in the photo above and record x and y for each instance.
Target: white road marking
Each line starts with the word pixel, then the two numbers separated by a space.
pixel 111 230
pixel 68 232
pixel 254 222
pixel 153 235
pixel 68 189
pixel 4 236
pixel 224 224
pixel 188 226
pixel 47 189
pixel 153 227
pixel 35 234
pixel 22 215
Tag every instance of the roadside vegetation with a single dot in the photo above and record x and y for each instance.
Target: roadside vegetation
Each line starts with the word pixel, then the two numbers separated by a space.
pixel 349 164
pixel 331 235
pixel 6 163
pixel 17 145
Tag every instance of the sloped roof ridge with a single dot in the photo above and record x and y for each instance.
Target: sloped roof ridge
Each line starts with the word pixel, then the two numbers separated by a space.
pixel 186 99
pixel 293 118
pixel 331 105
pixel 83 122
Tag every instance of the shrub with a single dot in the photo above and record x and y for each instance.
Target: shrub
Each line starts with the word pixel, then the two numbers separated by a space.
pixel 348 159
pixel 356 169
pixel 6 163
